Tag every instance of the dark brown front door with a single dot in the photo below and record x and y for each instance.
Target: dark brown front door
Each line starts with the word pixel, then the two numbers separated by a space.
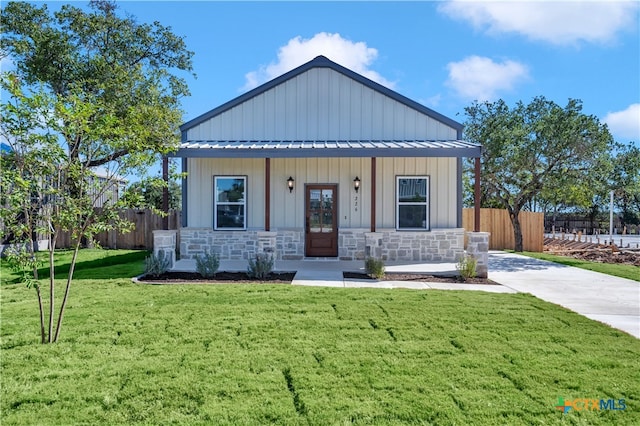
pixel 321 221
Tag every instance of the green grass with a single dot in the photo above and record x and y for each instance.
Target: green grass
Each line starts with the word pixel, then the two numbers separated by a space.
pixel 262 354
pixel 618 270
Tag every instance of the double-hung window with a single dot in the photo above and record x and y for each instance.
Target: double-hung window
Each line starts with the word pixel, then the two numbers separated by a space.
pixel 229 202
pixel 412 202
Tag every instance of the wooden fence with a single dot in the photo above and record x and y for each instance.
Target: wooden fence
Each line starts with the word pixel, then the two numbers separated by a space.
pixel 498 223
pixel 141 237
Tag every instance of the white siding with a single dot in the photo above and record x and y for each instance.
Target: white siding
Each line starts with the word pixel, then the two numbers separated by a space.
pixel 321 104
pixel 354 209
pixel 442 187
pixel 200 189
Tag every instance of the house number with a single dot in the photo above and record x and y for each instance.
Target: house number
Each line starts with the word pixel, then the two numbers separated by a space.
pixel 355 202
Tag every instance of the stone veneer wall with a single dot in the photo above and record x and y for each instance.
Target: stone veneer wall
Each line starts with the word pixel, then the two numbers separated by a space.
pixel 229 245
pixel 438 245
pixel 446 245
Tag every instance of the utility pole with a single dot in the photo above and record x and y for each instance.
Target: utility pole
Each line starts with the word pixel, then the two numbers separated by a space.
pixel 611 219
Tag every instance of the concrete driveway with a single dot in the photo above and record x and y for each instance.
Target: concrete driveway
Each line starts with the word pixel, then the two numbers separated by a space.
pixel 611 300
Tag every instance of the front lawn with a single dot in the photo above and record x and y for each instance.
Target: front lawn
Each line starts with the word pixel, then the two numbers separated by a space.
pixel 261 354
pixel 630 272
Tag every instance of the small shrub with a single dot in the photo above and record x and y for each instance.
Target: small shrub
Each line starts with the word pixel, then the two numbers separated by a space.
pixel 208 265
pixel 467 267
pixel 374 267
pixel 260 266
pixel 156 265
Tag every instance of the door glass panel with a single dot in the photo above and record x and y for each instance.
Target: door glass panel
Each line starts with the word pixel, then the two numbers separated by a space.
pixel 320 210
pixel 327 199
pixel 314 199
pixel 327 221
pixel 314 222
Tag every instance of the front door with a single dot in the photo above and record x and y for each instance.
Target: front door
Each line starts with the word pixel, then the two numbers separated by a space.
pixel 321 220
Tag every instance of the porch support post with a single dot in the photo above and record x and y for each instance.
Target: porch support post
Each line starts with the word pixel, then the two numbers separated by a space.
pixel 165 192
pixel 476 201
pixel 184 195
pixel 373 194
pixel 267 194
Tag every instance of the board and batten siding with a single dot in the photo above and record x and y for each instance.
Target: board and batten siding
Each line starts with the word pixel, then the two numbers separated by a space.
pixel 354 209
pixel 321 104
pixel 200 189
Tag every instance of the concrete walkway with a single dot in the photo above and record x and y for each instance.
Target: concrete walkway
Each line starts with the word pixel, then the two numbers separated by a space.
pixel 611 300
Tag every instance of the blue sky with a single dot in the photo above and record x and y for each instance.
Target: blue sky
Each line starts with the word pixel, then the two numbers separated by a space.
pixel 442 54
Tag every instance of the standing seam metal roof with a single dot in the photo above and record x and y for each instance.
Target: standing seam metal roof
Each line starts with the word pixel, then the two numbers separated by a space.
pixel 328 148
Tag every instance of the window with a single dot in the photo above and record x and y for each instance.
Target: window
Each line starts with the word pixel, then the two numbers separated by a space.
pixel 229 202
pixel 412 202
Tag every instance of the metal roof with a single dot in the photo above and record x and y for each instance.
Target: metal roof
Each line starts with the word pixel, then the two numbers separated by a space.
pixel 329 148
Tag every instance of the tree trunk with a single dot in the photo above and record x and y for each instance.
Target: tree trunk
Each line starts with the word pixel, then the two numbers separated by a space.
pixel 517 229
pixel 66 291
pixel 52 285
pixel 43 334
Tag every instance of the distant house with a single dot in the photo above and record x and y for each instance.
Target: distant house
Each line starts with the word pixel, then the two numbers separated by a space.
pixel 109 191
pixel 323 162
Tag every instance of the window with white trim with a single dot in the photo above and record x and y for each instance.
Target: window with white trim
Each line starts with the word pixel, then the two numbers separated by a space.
pixel 412 202
pixel 229 202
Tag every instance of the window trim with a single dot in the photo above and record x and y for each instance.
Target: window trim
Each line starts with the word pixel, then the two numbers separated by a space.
pixel 216 203
pixel 426 203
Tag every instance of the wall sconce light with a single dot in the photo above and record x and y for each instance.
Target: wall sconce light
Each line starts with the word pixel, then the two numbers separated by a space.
pixel 356 183
pixel 290 184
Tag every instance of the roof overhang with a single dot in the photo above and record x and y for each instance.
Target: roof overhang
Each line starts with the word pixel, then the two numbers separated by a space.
pixel 309 149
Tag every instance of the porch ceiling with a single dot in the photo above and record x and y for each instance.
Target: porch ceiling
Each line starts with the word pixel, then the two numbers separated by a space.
pixel 330 148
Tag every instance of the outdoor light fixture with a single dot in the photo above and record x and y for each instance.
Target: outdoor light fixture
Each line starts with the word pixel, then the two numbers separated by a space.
pixel 290 184
pixel 356 183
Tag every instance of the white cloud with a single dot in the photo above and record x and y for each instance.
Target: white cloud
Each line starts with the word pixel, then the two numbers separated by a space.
pixel 480 78
pixel 625 124
pixel 356 56
pixel 565 22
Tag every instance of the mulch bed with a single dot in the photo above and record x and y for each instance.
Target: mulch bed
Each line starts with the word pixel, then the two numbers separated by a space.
pixel 287 277
pixel 396 276
pixel 220 278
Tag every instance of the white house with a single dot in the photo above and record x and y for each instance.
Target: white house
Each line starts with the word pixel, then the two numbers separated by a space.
pixel 323 162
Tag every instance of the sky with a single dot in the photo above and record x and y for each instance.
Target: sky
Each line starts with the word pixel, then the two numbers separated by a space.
pixel 442 54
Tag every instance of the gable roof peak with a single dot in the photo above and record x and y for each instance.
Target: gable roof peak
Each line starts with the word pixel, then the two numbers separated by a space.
pixel 322 61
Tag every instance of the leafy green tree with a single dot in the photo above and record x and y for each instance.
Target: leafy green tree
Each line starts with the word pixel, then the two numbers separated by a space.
pixel 625 181
pixel 147 193
pixel 535 150
pixel 106 93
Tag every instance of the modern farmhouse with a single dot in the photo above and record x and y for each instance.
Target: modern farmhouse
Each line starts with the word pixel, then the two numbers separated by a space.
pixel 322 162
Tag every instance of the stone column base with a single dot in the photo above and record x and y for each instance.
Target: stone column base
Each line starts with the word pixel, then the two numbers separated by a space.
pixel 165 241
pixel 478 248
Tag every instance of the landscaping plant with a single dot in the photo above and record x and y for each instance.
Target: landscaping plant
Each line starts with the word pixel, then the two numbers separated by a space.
pixel 157 264
pixel 207 265
pixel 260 266
pixel 467 266
pixel 374 267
